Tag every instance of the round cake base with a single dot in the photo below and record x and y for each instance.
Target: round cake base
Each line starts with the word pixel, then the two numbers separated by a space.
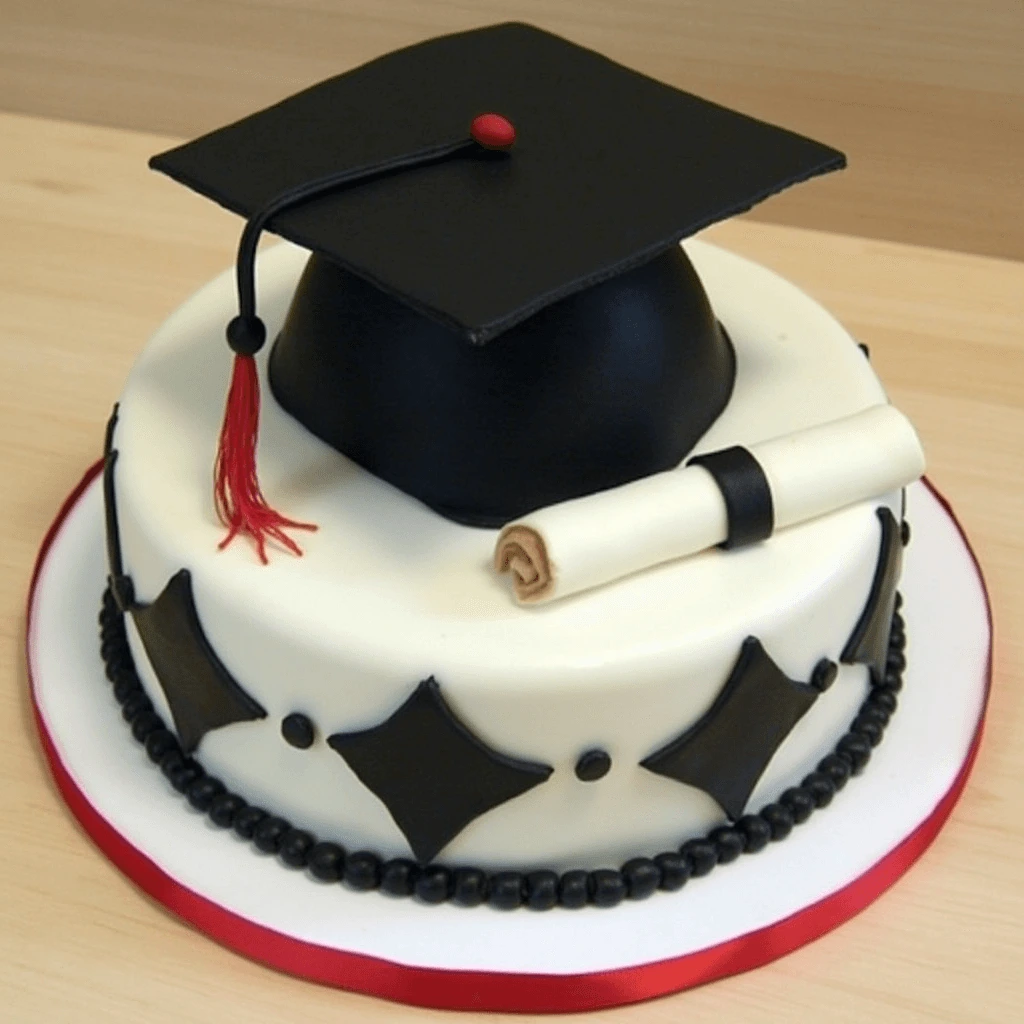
pixel 742 916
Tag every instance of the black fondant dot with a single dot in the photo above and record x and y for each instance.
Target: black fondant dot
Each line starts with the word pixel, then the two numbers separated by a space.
pixel 820 788
pixel 606 888
pixel 506 890
pixel 864 349
pixel 895 660
pixel 112 639
pixel 729 843
pixel 701 854
pixel 541 890
pixel 893 681
pixel 593 765
pixel 298 730
pixel 858 750
pixel 756 833
pixel 112 632
pixel 675 870
pixel 326 862
pixel 111 621
pixel 135 705
pixel 247 820
pixel 434 884
pixel 362 870
pixel 799 803
pixel 398 877
pixel 847 758
pixel 184 776
pixel 867 727
pixel 779 819
pixel 145 723
pixel 120 661
pixel 573 890
pixel 224 808
pixel 469 887
pixel 203 792
pixel 172 761
pixel 119 667
pixel 125 686
pixel 641 876
pixel 904 533
pixel 884 698
pixel 897 640
pixel 824 675
pixel 269 834
pixel 159 743
pixel 871 712
pixel 295 847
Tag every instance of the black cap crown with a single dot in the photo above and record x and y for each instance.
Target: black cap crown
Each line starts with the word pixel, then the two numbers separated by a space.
pixel 562 251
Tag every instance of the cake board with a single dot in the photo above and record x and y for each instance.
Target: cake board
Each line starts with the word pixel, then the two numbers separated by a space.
pixel 747 914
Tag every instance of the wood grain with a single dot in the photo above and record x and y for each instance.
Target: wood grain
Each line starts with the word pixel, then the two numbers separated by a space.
pixel 925 96
pixel 95 251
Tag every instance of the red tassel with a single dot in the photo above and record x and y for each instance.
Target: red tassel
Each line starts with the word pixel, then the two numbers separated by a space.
pixel 240 504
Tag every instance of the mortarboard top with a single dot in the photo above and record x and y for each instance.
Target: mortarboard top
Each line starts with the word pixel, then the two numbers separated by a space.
pixel 610 167
pixel 608 363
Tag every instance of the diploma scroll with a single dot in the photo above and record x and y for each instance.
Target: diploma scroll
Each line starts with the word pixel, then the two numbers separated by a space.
pixel 588 542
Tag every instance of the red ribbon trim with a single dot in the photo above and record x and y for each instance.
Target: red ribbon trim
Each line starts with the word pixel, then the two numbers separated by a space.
pixel 493 990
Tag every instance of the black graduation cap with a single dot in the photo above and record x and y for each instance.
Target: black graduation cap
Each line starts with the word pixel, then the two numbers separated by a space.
pixel 495 331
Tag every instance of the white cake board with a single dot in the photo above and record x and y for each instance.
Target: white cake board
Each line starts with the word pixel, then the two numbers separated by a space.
pixel 740 916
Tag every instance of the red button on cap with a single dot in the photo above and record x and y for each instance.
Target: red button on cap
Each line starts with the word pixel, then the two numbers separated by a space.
pixel 492 131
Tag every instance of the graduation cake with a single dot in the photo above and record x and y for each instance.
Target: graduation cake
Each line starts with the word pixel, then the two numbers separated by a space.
pixel 547 560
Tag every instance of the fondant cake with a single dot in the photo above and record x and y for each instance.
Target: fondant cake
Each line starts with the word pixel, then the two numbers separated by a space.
pixel 490 352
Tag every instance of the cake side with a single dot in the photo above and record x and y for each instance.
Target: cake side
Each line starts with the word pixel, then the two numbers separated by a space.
pixel 389 595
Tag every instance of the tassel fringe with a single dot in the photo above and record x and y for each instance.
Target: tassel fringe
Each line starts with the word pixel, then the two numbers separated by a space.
pixel 239 501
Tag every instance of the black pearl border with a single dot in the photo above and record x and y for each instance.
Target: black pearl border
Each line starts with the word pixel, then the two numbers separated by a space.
pixel 637 879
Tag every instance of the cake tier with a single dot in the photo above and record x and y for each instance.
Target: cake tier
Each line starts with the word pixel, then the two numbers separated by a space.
pixel 389 594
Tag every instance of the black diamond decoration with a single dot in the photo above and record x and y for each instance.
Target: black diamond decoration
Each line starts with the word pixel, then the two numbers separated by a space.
pixel 120 584
pixel 109 503
pixel 200 692
pixel 433 775
pixel 728 749
pixel 869 641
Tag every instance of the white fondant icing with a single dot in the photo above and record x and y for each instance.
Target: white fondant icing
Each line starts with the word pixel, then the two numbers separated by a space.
pixel 595 540
pixel 925 744
pixel 389 593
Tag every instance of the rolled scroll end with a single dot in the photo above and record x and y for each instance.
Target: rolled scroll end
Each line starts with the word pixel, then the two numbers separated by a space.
pixel 520 551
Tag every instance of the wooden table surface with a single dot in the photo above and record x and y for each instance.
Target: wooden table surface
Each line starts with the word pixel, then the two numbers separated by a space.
pixel 95 251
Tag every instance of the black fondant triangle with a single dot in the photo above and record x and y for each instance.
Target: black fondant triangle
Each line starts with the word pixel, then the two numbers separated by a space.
pixel 728 749
pixel 433 775
pixel 201 693
pixel 869 641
